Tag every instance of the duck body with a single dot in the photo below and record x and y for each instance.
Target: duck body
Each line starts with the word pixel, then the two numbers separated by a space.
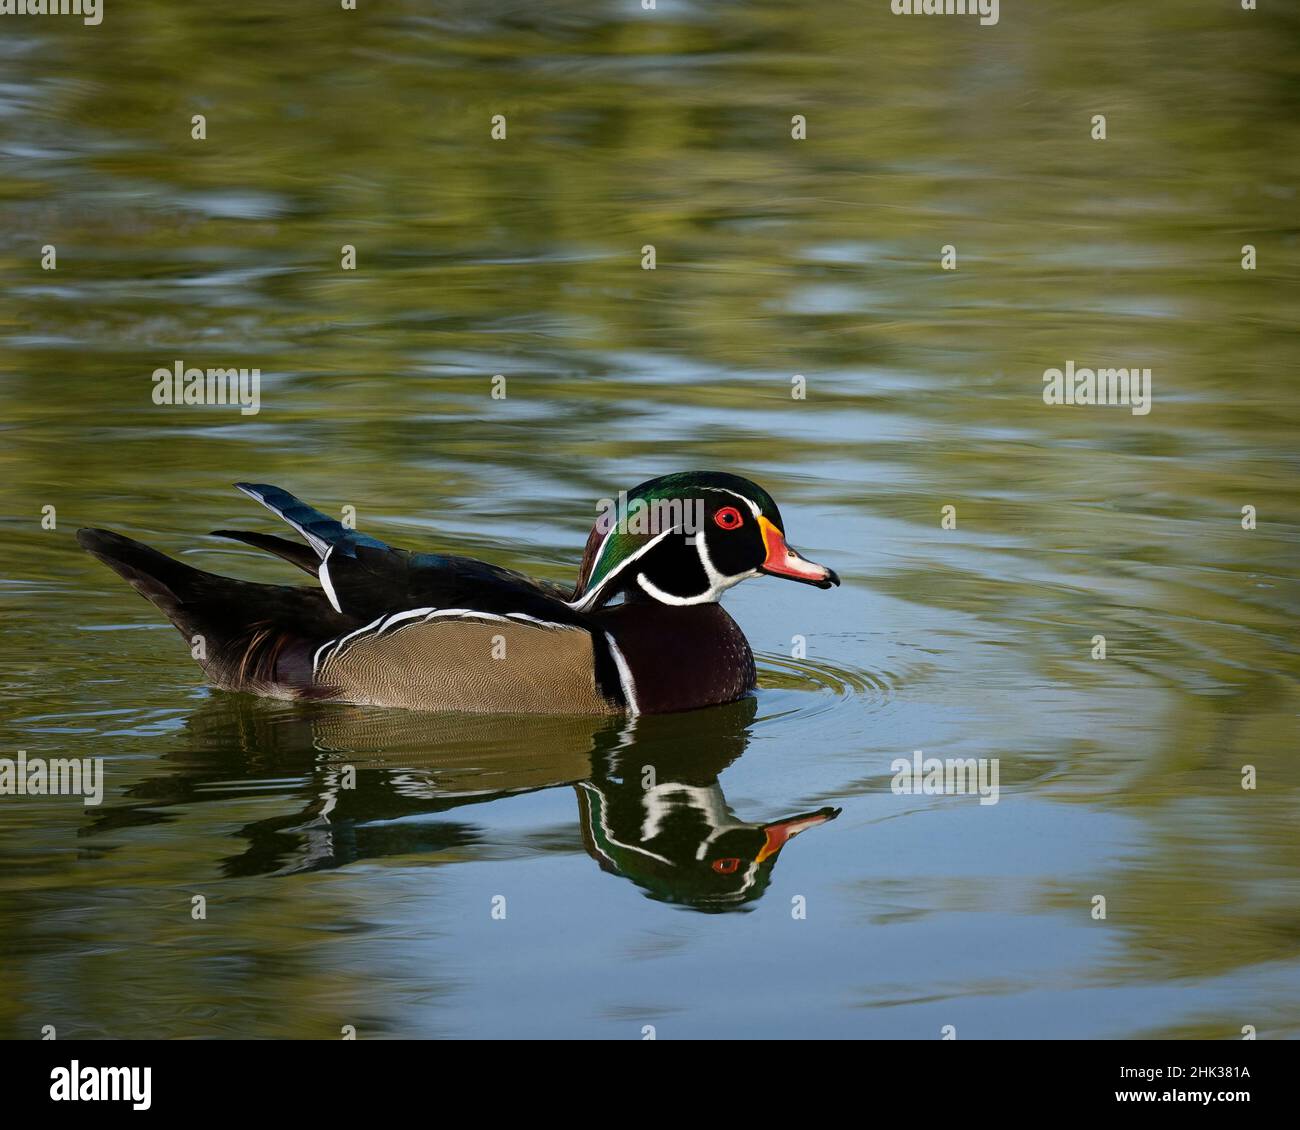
pixel 628 658
pixel 387 627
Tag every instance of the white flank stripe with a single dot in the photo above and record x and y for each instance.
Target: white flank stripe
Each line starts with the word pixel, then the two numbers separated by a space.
pixel 338 643
pixel 396 621
pixel 397 617
pixel 525 618
pixel 315 659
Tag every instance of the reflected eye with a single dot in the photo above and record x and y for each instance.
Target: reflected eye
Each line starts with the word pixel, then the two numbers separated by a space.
pixel 729 519
pixel 726 866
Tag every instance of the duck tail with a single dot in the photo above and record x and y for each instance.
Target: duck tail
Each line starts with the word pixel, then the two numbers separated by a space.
pixel 160 579
pixel 242 633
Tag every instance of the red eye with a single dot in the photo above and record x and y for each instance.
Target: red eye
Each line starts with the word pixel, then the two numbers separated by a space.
pixel 726 866
pixel 729 518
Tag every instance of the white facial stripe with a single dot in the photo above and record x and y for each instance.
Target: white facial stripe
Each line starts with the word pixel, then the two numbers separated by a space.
pixel 718 583
pixel 753 506
pixel 709 597
pixel 722 823
pixel 653 590
pixel 716 579
pixel 604 542
pixel 598 807
pixel 751 873
pixel 587 598
pixel 665 798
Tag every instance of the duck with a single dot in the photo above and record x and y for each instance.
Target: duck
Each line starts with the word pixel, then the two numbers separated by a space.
pixel 641 632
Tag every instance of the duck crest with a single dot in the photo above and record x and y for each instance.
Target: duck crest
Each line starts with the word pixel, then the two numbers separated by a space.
pixel 632 524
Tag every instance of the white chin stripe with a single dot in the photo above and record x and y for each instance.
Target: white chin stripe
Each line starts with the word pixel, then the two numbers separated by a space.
pixel 718 584
pixel 653 590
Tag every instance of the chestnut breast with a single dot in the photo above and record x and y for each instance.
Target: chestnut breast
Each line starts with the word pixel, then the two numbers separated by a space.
pixel 683 657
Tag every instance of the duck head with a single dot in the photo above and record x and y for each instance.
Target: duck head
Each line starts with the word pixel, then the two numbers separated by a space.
pixel 685 845
pixel 685 539
pixel 674 834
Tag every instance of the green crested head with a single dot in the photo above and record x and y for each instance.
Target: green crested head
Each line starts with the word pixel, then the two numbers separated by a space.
pixel 684 539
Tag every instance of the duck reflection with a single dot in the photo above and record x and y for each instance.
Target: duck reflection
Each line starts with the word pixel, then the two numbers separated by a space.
pixel 654 812
pixel 376 783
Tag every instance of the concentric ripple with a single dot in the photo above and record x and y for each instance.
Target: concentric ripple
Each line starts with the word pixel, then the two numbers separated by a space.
pixel 800 686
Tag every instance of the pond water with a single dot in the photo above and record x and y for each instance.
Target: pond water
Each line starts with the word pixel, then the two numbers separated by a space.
pixel 891 914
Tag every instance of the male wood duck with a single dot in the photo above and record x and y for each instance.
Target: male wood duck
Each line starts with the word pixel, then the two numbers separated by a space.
pixel 642 631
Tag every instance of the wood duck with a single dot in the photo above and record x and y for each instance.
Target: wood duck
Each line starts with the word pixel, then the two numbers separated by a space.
pixel 641 632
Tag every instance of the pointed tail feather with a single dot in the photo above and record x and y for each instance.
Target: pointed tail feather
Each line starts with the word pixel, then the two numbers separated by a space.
pixel 155 576
pixel 291 551
pixel 322 532
pixel 252 633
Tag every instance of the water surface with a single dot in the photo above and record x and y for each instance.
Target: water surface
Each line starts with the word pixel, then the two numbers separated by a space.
pixel 373 905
